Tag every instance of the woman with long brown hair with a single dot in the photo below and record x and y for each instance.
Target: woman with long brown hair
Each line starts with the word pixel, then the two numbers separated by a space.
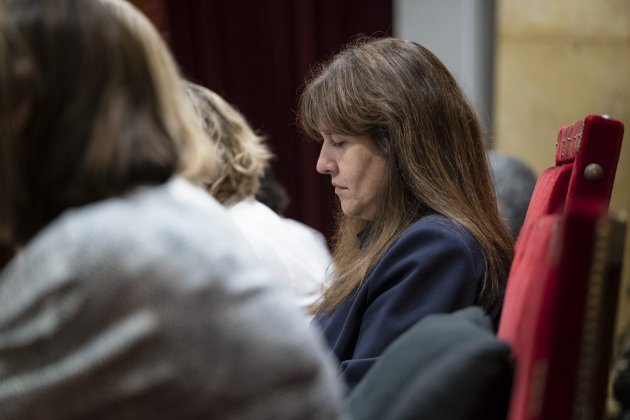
pixel 419 230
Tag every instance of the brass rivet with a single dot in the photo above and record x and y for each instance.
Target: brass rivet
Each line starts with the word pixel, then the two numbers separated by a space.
pixel 593 172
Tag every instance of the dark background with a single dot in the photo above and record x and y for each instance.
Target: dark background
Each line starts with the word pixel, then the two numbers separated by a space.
pixel 257 54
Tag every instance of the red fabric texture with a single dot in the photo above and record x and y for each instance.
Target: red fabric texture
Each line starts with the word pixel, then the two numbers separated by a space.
pixel 549 194
pixel 545 303
pixel 603 150
pixel 551 294
pixel 529 292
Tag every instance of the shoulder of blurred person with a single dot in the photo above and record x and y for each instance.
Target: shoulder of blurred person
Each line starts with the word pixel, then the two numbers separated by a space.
pixel 291 248
pixel 243 165
pixel 148 297
pixel 275 196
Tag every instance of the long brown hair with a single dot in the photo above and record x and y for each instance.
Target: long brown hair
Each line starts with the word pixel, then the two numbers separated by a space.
pixel 86 112
pixel 405 99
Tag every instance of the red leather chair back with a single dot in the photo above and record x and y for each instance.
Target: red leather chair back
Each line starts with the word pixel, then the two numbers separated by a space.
pixel 561 295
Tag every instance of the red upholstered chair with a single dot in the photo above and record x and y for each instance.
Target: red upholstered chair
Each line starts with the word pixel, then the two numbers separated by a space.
pixel 560 303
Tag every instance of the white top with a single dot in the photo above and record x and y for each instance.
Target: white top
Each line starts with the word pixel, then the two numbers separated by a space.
pixel 292 249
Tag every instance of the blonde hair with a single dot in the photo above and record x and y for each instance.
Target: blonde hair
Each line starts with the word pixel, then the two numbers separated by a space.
pixel 243 155
pixel 405 99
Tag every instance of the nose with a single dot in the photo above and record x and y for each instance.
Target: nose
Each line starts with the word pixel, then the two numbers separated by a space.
pixel 325 165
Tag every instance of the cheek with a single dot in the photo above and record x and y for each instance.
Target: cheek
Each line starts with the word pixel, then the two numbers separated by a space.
pixel 375 185
pixel 374 175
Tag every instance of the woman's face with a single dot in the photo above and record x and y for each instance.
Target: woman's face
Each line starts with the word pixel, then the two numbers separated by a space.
pixel 358 171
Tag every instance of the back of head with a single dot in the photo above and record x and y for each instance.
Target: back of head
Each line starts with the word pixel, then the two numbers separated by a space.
pixel 85 111
pixel 243 154
pixel 198 158
pixel 514 182
pixel 272 193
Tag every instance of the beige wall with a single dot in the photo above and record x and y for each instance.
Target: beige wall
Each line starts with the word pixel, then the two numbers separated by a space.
pixel 556 62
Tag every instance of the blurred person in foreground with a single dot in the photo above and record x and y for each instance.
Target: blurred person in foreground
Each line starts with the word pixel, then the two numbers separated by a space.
pixel 132 295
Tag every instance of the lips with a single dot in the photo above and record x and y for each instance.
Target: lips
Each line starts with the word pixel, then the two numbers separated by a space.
pixel 339 191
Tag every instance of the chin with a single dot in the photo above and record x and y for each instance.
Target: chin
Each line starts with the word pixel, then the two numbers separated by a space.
pixel 350 214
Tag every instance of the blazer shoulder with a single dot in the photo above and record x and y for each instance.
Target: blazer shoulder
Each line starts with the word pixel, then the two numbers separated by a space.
pixel 437 227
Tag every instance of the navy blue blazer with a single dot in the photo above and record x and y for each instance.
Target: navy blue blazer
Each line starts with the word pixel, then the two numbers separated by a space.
pixel 435 266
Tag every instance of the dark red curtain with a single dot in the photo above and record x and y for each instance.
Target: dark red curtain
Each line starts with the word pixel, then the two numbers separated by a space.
pixel 256 54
